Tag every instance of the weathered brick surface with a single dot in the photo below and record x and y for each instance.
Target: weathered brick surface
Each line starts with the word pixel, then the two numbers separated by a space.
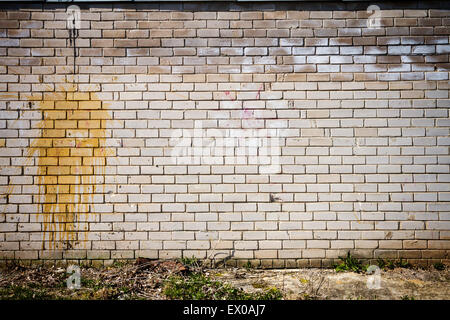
pixel 92 163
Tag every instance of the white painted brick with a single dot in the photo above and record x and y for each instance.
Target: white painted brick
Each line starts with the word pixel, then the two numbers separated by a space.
pixel 363 154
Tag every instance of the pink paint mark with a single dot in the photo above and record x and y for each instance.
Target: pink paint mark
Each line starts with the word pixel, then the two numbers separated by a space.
pixel 247 114
pixel 259 91
pixel 228 93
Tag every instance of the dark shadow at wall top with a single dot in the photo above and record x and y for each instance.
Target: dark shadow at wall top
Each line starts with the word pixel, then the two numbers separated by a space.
pixel 258 5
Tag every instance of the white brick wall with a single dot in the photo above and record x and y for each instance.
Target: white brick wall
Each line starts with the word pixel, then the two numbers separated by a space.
pixel 106 164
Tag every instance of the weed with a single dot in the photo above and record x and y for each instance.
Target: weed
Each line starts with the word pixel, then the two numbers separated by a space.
pixel 403 264
pixel 391 264
pixel 439 266
pixel 350 263
pixel 125 290
pixel 190 261
pixel 381 263
pixel 406 297
pixel 248 265
pixel 178 287
pixel 192 264
pixel 270 294
pixel 120 263
pixel 259 284
pixel 303 280
pixel 15 292
pixel 197 286
pixel 93 284
pixel 307 297
pixel 61 284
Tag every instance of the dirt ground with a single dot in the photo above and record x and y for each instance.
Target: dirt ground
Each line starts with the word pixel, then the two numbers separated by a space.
pixel 147 280
pixel 315 283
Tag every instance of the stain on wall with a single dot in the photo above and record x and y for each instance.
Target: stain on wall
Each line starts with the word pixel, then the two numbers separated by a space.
pixel 70 157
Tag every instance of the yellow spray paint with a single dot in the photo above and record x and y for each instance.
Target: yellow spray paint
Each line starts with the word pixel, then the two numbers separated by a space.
pixel 70 156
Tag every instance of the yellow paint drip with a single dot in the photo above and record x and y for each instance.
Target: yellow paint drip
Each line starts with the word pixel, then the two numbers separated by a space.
pixel 70 156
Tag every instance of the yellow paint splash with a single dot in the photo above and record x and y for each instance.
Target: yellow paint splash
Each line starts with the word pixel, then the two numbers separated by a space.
pixel 70 156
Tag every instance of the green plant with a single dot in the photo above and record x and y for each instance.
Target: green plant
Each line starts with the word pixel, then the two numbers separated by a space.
pixel 391 264
pixel 192 264
pixel 259 284
pixel 406 297
pixel 189 261
pixel 15 292
pixel 197 286
pixel 124 290
pixel 270 294
pixel 403 264
pixel 93 284
pixel 307 297
pixel 248 265
pixel 439 266
pixel 350 263
pixel 381 263
pixel 120 263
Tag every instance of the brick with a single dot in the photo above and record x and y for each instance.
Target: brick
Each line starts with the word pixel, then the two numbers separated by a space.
pixel 360 116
